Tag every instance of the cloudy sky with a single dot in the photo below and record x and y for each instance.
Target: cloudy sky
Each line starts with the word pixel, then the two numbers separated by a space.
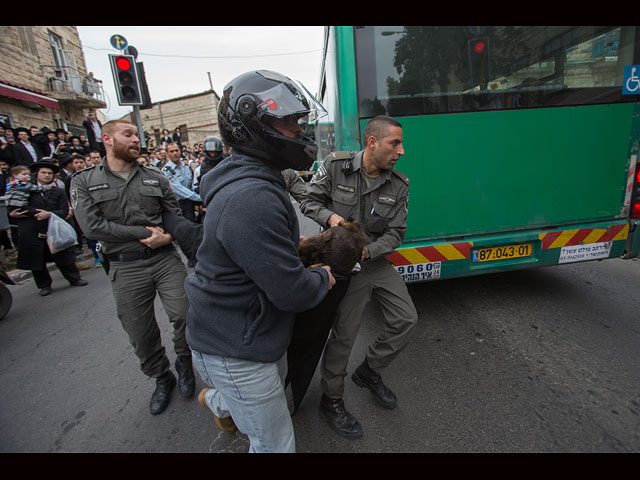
pixel 177 59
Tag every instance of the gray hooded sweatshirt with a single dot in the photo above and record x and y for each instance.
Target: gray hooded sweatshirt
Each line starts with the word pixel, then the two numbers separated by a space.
pixel 248 281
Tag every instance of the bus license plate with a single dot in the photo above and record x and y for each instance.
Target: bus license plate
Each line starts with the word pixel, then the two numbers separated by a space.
pixel 502 253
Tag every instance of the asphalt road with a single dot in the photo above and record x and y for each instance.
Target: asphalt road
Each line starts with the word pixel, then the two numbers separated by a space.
pixel 542 360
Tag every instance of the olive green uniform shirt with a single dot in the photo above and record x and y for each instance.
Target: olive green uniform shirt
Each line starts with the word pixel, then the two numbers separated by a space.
pixel 115 211
pixel 380 205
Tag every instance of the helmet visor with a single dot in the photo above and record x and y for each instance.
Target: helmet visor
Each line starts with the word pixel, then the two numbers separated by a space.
pixel 284 100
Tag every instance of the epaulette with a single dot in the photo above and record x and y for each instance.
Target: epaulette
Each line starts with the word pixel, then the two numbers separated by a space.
pixel 83 170
pixel 342 155
pixel 402 177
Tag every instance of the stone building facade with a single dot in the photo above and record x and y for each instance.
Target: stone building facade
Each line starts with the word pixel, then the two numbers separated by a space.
pixel 44 79
pixel 196 115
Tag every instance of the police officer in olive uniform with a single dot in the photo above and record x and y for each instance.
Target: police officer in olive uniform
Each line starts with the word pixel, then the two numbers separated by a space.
pixel 120 203
pixel 363 186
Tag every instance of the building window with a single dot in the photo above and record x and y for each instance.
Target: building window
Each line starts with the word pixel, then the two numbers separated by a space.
pixel 184 133
pixel 26 39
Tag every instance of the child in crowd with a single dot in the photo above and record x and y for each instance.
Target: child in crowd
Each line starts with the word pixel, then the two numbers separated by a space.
pixel 19 188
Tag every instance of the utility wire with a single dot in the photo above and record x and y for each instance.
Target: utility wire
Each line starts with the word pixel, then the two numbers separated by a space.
pixel 214 57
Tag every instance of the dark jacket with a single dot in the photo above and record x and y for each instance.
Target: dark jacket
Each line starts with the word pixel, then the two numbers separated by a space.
pixel 177 139
pixel 41 143
pixel 91 135
pixel 249 281
pixel 21 155
pixel 30 251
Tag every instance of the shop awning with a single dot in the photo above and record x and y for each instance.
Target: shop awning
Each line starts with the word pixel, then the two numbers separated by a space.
pixel 27 94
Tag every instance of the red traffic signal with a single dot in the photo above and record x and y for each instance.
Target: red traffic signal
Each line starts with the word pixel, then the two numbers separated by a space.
pixel 123 63
pixel 479 46
pixel 479 62
pixel 126 80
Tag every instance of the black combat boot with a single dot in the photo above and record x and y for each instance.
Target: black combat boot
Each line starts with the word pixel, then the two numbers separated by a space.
pixel 345 424
pixel 162 394
pixel 365 377
pixel 186 379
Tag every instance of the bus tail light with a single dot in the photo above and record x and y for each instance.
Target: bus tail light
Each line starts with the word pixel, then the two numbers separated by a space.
pixel 635 197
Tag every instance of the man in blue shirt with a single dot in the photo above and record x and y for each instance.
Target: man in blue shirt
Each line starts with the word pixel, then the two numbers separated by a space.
pixel 181 177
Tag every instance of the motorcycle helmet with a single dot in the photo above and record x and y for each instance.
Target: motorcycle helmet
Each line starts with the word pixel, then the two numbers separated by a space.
pixel 251 101
pixel 212 144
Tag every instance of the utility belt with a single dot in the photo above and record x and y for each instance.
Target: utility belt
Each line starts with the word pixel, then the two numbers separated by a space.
pixel 142 254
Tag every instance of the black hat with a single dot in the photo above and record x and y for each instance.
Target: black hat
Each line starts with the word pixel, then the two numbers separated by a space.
pixel 35 166
pixel 64 158
pixel 21 129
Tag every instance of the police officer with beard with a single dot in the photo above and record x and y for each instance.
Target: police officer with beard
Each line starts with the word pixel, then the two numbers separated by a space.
pixel 120 203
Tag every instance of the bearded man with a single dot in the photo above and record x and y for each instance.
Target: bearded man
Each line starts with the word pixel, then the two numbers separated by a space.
pixel 120 203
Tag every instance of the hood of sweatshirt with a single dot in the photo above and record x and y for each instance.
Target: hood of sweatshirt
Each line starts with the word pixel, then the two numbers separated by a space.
pixel 232 169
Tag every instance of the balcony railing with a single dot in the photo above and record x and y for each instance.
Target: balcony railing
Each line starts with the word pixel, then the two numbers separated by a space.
pixel 63 81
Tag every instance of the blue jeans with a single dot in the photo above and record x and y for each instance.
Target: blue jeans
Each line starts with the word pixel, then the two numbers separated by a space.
pixel 252 393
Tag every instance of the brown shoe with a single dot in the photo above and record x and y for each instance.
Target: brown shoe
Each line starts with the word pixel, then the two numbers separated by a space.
pixel 225 424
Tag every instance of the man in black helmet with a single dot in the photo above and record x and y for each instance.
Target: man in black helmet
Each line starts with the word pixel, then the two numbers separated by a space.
pixel 214 154
pixel 249 281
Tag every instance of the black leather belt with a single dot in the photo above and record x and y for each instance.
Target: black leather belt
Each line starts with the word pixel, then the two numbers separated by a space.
pixel 138 255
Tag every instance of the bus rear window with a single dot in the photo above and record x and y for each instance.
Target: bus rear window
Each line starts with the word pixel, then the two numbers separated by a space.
pixel 417 70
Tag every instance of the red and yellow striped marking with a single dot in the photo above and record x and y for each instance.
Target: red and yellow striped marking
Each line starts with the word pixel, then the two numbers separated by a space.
pixel 436 253
pixel 461 251
pixel 584 236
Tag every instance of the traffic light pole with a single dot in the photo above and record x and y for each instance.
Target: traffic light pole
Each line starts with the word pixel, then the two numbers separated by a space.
pixel 136 113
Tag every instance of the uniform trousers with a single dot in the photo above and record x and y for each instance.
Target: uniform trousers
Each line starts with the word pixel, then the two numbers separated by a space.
pixel 377 279
pixel 135 284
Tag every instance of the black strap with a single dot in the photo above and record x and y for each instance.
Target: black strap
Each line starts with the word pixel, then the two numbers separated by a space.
pixel 138 255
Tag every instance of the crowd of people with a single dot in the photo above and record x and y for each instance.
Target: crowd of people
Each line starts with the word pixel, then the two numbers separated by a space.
pixel 262 303
pixel 22 149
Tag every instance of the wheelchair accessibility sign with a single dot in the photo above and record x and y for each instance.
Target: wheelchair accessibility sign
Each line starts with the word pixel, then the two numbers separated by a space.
pixel 631 85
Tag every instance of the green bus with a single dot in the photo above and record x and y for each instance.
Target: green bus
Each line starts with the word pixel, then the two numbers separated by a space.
pixel 521 143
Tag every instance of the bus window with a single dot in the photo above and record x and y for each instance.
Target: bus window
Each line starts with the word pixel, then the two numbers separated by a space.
pixel 416 70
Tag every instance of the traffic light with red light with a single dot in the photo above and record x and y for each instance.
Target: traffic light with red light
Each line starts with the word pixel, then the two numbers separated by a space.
pixel 479 65
pixel 126 79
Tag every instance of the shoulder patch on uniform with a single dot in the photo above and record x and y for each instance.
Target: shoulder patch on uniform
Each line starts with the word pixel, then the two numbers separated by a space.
pixel 400 175
pixel 74 197
pixel 320 174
